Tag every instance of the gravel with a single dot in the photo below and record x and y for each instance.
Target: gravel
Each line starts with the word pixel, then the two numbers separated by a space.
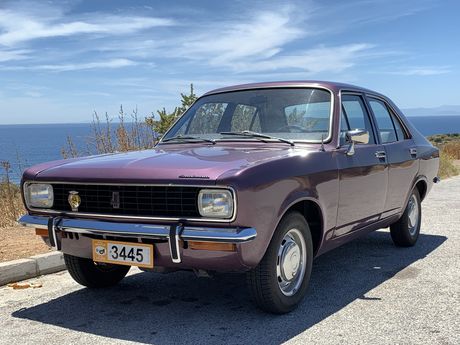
pixel 366 292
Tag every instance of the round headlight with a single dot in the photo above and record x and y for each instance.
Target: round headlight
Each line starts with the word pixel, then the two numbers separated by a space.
pixel 39 195
pixel 215 203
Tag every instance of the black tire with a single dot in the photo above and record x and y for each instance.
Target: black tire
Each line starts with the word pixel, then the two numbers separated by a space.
pixel 86 272
pixel 403 232
pixel 263 280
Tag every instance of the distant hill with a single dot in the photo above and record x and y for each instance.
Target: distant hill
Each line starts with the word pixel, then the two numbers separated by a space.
pixel 442 110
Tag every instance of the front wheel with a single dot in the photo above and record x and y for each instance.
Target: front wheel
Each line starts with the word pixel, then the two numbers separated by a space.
pixel 280 281
pixel 88 273
pixel 406 230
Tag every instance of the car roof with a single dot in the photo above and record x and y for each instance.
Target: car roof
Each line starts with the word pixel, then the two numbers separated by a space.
pixel 333 86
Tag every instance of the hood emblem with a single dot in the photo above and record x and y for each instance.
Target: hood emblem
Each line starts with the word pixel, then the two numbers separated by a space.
pixel 115 201
pixel 74 200
pixel 194 176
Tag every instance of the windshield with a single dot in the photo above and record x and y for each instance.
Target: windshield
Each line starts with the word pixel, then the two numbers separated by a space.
pixel 296 114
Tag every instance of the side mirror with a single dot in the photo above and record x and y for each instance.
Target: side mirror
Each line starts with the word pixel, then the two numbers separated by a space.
pixel 358 136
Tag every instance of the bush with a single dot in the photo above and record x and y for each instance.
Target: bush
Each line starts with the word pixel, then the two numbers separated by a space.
pixel 447 167
pixel 452 149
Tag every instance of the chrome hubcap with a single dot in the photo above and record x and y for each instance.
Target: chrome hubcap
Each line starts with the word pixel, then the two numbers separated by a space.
pixel 413 214
pixel 291 262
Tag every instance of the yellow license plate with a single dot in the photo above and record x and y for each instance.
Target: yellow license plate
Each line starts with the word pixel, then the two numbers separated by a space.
pixel 123 253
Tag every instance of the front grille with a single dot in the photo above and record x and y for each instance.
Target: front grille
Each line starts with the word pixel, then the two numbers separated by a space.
pixel 149 201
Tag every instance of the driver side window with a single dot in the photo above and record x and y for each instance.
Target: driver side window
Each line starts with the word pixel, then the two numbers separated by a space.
pixel 355 116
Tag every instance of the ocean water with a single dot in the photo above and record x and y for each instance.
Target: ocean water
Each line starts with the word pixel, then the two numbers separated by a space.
pixel 430 125
pixel 26 145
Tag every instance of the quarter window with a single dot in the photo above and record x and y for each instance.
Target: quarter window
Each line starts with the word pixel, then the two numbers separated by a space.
pixel 399 129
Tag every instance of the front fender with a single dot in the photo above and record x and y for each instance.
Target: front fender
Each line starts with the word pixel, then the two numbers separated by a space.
pixel 264 208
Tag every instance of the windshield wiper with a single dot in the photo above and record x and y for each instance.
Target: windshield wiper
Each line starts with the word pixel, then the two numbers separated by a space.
pixel 186 137
pixel 257 135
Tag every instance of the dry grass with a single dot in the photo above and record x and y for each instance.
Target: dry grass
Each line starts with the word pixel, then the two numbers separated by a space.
pixel 447 166
pixel 452 149
pixel 16 242
pixel 449 151
pixel 10 198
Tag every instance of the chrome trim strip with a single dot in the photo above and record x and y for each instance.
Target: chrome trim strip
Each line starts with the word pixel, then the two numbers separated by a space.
pixel 294 86
pixel 52 212
pixel 154 231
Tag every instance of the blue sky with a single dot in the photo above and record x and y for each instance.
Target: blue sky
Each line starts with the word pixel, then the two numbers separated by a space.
pixel 62 60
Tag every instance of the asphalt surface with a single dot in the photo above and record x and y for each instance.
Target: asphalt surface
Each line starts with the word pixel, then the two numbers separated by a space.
pixel 366 292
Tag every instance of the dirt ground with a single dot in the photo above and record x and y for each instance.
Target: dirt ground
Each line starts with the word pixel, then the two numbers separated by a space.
pixel 19 242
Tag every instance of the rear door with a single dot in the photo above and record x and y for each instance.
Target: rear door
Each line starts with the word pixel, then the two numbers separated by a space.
pixel 363 177
pixel 401 154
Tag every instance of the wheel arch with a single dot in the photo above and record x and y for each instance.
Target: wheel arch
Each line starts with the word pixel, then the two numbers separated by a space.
pixel 313 214
pixel 422 188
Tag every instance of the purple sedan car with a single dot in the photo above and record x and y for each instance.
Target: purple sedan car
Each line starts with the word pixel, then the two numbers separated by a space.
pixel 258 178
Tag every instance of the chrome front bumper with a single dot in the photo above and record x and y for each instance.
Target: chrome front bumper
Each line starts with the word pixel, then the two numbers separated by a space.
pixel 173 233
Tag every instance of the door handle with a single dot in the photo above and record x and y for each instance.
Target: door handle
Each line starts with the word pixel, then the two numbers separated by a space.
pixel 413 151
pixel 380 154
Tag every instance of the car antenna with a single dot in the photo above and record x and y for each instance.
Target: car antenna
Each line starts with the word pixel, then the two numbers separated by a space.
pixel 322 144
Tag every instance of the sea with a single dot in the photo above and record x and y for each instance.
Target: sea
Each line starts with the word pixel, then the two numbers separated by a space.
pixel 25 145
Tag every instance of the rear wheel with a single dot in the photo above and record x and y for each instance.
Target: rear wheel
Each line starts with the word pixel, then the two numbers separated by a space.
pixel 406 230
pixel 281 279
pixel 88 273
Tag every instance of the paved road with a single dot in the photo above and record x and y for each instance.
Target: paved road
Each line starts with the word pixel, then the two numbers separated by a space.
pixel 366 292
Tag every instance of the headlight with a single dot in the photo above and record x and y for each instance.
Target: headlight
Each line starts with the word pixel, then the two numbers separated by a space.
pixel 39 195
pixel 215 203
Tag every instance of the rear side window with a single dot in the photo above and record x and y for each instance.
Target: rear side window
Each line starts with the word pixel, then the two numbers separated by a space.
pixel 390 129
pixel 355 116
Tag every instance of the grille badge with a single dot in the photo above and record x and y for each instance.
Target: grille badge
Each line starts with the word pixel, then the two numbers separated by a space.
pixel 74 200
pixel 115 201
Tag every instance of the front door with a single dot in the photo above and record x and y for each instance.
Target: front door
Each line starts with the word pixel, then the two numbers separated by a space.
pixel 363 176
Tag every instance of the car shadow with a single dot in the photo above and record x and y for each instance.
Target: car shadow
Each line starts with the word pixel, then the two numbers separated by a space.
pixel 178 308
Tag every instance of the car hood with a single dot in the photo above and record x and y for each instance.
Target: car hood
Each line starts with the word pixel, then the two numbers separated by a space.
pixel 166 163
